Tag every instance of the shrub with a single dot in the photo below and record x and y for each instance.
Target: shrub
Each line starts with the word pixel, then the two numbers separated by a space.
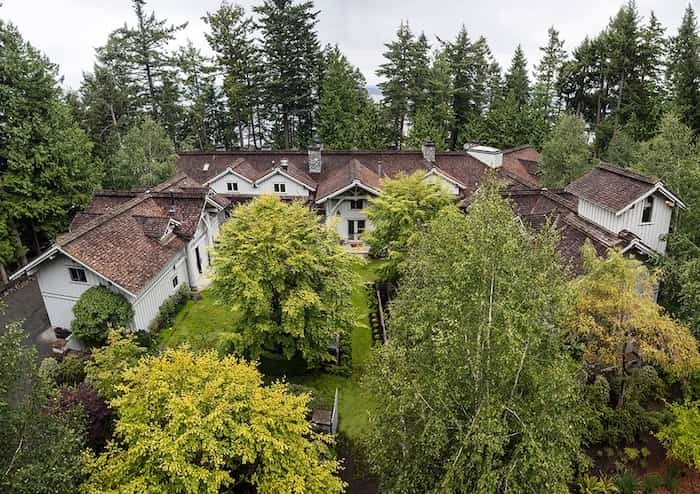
pixel 96 311
pixel 597 485
pixel 99 418
pixel 682 436
pixel 169 309
pixel 71 371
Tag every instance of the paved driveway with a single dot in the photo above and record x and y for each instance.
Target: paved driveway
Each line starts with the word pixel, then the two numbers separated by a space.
pixel 25 303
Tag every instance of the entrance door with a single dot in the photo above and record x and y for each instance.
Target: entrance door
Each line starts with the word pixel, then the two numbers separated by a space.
pixel 355 229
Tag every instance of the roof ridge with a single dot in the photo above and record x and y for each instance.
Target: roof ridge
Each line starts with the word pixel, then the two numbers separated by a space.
pixel 517 148
pixel 627 173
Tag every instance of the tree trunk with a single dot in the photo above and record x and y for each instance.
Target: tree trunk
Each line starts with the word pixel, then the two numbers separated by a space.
pixel 285 126
pixel 114 122
pixel 4 279
pixel 35 239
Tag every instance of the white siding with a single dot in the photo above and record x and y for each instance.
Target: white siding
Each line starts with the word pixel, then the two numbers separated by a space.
pixel 267 187
pixel 292 188
pixel 60 293
pixel 652 234
pixel 244 187
pixel 446 184
pixel 152 296
pixel 338 210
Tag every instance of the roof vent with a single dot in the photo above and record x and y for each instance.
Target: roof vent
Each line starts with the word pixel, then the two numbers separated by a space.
pixel 284 163
pixel 428 149
pixel 315 162
pixel 205 167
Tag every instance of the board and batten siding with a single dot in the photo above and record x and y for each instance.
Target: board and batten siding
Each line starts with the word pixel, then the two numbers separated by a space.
pixel 652 234
pixel 60 293
pixel 152 296
pixel 338 210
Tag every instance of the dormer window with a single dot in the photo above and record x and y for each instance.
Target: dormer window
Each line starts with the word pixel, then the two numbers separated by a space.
pixel 648 211
pixel 232 186
pixel 280 188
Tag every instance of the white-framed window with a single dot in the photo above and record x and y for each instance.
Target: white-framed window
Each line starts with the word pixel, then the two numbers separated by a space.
pixel 648 211
pixel 175 281
pixel 77 275
pixel 355 229
pixel 280 188
pixel 357 204
pixel 232 186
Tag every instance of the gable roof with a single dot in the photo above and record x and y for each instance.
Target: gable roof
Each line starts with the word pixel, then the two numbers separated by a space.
pixel 616 189
pixel 339 169
pixel 121 235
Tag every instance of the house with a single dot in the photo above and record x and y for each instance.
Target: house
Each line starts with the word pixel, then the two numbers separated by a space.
pixel 620 200
pixel 143 245
pixel 146 244
pixel 340 183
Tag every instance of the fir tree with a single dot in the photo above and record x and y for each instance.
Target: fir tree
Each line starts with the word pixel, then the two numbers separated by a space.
pixel 291 67
pixel 517 83
pixel 684 69
pixel 546 100
pixel 405 73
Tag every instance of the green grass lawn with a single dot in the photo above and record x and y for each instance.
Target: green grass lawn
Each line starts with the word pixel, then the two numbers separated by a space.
pixel 203 324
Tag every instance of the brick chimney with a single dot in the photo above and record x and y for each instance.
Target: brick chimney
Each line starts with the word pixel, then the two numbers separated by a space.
pixel 315 156
pixel 429 151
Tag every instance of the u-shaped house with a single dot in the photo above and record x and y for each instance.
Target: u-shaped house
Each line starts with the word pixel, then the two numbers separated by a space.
pixel 146 244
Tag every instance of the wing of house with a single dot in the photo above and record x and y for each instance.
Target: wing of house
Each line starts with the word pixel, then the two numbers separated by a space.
pixel 144 245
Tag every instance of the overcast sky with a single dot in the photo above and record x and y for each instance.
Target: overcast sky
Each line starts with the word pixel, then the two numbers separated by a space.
pixel 69 30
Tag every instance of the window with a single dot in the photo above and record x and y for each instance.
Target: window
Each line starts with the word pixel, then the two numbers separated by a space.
pixel 357 204
pixel 281 188
pixel 648 210
pixel 232 186
pixel 175 282
pixel 355 229
pixel 77 275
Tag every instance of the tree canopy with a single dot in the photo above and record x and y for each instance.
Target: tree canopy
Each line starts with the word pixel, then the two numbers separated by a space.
pixel 191 423
pixel 565 155
pixel 287 276
pixel 473 393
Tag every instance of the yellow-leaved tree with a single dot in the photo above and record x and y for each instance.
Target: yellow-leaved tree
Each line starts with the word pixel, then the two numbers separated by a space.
pixel 616 306
pixel 195 423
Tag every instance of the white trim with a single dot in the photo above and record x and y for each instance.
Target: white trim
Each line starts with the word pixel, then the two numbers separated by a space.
pixel 659 187
pixel 641 246
pixel 53 250
pixel 436 171
pixel 275 171
pixel 355 183
pixel 212 202
pixel 228 171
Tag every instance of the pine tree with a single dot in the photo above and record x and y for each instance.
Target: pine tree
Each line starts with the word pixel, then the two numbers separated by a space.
pixel 405 72
pixel 291 67
pixel 684 69
pixel 238 58
pixel 344 105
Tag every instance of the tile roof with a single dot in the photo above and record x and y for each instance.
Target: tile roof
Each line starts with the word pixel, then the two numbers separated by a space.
pixel 611 187
pixel 120 235
pixel 338 167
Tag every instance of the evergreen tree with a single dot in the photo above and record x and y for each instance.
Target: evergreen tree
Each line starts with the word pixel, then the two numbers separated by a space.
pixel 238 59
pixel 433 120
pixel 684 70
pixel 517 83
pixel 291 68
pixel 405 74
pixel 546 100
pixel 46 170
pixel 471 66
pixel 345 108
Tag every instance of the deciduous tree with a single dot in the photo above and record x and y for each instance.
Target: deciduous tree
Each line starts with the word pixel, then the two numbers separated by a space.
pixel 287 275
pixel 566 155
pixel 191 423
pixel 472 393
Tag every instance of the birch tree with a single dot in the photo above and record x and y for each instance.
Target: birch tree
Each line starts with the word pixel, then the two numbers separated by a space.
pixel 473 393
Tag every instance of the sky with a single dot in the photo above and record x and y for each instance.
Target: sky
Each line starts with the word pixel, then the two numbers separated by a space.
pixel 68 31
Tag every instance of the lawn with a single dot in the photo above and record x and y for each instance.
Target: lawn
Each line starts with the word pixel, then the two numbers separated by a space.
pixel 203 324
